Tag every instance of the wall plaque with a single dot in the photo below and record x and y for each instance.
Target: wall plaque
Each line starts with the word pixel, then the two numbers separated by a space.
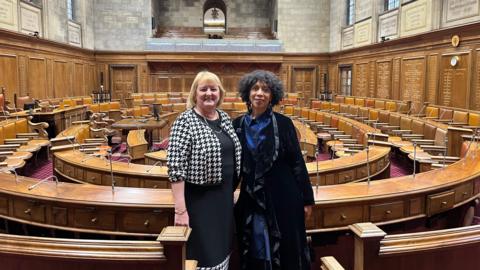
pixel 413 81
pixel 30 19
pixel 416 17
pixel 453 82
pixel 361 80
pixel 8 14
pixel 461 9
pixel 363 9
pixel 347 38
pixel 74 34
pixel 384 79
pixel 363 33
pixel 432 75
pixel 388 25
pixel 477 90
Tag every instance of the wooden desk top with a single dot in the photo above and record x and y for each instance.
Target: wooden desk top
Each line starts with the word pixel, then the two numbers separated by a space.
pixel 55 111
pixel 83 160
pixel 306 134
pixel 131 123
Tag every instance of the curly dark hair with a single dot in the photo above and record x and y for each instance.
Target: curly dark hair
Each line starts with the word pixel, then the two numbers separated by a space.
pixel 249 80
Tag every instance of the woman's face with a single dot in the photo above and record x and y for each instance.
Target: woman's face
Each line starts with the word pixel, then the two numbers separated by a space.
pixel 208 95
pixel 260 96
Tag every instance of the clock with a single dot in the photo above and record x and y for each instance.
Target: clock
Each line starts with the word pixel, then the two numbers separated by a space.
pixel 454 60
pixel 455 41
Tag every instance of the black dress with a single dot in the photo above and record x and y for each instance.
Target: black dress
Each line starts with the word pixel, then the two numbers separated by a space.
pixel 210 209
pixel 275 184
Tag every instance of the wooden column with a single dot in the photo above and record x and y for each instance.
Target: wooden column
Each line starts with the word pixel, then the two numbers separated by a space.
pixel 367 243
pixel 173 240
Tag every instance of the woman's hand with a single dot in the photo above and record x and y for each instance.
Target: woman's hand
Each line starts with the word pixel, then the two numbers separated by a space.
pixel 181 218
pixel 308 211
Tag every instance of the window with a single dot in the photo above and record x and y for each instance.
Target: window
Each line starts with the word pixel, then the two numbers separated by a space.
pixel 346 81
pixel 350 11
pixel 391 4
pixel 70 9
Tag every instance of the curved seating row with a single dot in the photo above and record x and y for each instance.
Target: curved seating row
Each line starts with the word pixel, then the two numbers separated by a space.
pixel 126 211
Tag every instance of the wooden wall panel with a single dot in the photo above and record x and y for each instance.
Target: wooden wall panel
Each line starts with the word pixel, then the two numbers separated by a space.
pixel 454 84
pixel 432 81
pixel 78 80
pixel 333 78
pixel 61 80
pixel 360 79
pixel 372 75
pixel 412 81
pixel 90 80
pixel 37 77
pixel 384 78
pixel 9 74
pixel 22 74
pixel 476 91
pixel 396 68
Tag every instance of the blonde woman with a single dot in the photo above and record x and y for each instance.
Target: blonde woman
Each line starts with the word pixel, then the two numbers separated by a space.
pixel 203 164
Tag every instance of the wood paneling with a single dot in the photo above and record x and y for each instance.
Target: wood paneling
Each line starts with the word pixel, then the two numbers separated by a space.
pixel 8 74
pixel 37 77
pixel 360 79
pixel 61 85
pixel 432 81
pixel 412 81
pixel 78 80
pixel 384 79
pixel 454 81
pixel 304 83
pixel 476 92
pixel 123 81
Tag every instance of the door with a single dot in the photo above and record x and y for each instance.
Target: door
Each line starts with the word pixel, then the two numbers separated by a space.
pixel 304 84
pixel 123 81
pixel 346 80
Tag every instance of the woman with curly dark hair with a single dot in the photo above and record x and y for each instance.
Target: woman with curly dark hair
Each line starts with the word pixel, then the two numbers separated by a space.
pixel 275 193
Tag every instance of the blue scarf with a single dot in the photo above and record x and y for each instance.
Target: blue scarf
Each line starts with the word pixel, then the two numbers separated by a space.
pixel 255 129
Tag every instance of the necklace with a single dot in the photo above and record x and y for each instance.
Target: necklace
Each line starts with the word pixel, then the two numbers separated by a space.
pixel 211 126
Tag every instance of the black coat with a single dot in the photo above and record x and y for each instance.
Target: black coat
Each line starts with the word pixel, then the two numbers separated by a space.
pixel 277 186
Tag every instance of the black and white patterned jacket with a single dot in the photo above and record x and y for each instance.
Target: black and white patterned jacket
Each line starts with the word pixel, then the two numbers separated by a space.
pixel 194 153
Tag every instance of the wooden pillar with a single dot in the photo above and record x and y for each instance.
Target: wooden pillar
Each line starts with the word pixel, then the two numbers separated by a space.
pixel 173 240
pixel 366 245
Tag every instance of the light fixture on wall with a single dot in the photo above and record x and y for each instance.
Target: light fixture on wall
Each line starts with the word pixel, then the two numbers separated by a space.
pixel 214 13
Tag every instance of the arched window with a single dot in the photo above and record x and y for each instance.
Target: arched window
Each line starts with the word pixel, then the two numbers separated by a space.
pixel 350 12
pixel 214 18
pixel 70 9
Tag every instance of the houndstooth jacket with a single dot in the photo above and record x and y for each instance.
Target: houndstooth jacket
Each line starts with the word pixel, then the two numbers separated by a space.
pixel 194 153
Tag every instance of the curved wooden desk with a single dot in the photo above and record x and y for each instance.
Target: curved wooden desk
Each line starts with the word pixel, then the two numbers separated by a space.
pixel 136 211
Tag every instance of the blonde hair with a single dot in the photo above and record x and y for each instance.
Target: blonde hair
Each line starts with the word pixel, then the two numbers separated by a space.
pixel 201 77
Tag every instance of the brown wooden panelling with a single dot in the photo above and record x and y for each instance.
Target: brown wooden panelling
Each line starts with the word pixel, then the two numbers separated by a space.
pixel 432 81
pixel 476 91
pixel 454 81
pixel 61 79
pixel 360 79
pixel 412 81
pixel 8 74
pixel 37 77
pixel 78 79
pixel 372 75
pixel 384 79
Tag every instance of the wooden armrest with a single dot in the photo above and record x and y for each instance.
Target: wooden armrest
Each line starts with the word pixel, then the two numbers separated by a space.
pixel 16 141
pixel 378 124
pixel 401 131
pixel 347 140
pixel 335 132
pixel 444 120
pixel 412 136
pixel 430 117
pixel 426 143
pixel 354 146
pixel 28 135
pixel 390 127
pixel 381 143
pixel 370 121
pixel 447 158
pixel 6 153
pixel 329 128
pixel 9 146
pixel 341 136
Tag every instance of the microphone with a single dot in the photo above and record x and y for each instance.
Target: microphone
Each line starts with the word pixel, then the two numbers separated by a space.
pixel 43 181
pixel 445 151
pixel 409 110
pixel 318 173
pixel 414 158
pixel 421 109
pixel 109 151
pixel 153 166
pixel 7 169
pixel 368 165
